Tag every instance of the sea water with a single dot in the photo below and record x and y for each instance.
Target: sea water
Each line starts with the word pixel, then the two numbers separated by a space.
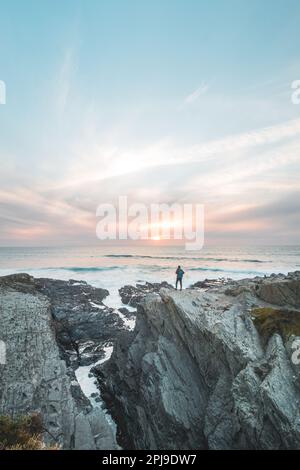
pixel 112 267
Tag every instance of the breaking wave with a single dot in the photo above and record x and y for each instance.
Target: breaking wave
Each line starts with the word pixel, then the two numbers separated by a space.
pixel 79 269
pixel 206 258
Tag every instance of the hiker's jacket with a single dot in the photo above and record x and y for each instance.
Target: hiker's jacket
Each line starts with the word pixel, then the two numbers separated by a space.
pixel 179 273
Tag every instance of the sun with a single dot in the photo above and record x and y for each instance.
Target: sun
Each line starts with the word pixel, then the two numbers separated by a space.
pixel 155 238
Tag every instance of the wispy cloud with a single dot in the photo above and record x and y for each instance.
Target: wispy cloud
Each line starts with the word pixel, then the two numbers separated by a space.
pixel 94 166
pixel 201 90
pixel 246 140
pixel 63 80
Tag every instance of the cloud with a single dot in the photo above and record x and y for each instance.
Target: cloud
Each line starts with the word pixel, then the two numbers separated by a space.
pixel 201 90
pixel 93 167
pixel 28 215
pixel 285 208
pixel 263 136
pixel 63 81
pixel 96 161
pixel 274 222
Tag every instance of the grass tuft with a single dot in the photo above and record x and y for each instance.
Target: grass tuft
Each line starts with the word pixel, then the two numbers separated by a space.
pixel 269 320
pixel 22 433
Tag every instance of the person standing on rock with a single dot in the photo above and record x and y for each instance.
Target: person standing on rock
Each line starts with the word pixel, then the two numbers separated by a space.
pixel 179 275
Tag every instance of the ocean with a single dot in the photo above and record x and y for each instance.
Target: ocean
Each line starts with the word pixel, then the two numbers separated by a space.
pixel 111 267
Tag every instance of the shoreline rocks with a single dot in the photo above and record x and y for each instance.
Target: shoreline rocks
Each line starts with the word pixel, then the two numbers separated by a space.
pixel 133 295
pixel 35 378
pixel 206 368
pixel 83 323
pixel 196 374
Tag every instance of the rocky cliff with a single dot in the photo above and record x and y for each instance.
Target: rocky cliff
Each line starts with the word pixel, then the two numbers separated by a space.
pixel 210 368
pixel 44 324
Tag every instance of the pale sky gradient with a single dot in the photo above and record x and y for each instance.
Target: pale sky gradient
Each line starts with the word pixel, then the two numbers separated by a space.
pixel 163 101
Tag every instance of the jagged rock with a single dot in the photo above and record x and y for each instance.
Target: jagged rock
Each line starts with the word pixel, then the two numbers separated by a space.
pixel 195 373
pixel 82 322
pixel 127 313
pixel 281 290
pixel 202 369
pixel 267 403
pixel 208 283
pixel 132 295
pixel 36 379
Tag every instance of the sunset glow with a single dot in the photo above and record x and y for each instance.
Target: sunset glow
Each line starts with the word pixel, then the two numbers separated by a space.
pixel 99 122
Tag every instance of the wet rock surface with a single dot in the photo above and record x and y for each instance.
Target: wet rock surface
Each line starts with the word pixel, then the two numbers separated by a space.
pixel 196 374
pixel 35 378
pixel 133 295
pixel 82 322
pixel 206 368
pixel 130 315
pixel 207 283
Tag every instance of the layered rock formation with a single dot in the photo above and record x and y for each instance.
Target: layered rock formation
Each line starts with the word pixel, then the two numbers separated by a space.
pixel 35 377
pixel 215 366
pixel 133 295
pixel 82 322
pixel 197 373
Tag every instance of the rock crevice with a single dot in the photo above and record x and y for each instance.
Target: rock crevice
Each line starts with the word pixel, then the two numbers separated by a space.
pixel 35 378
pixel 195 373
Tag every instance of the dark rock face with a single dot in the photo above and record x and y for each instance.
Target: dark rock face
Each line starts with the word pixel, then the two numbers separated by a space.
pixel 34 378
pixel 132 295
pixel 82 322
pixel 281 290
pixel 207 283
pixel 127 313
pixel 195 373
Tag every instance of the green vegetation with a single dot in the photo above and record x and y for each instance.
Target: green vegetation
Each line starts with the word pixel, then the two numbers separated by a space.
pixel 22 433
pixel 269 320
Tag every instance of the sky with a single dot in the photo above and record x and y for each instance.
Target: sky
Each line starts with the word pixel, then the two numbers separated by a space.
pixel 185 101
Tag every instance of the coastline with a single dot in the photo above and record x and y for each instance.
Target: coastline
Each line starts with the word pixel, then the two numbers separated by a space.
pixel 92 338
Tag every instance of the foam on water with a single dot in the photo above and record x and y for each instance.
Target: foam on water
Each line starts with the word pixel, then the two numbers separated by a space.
pixel 113 267
pixel 88 386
